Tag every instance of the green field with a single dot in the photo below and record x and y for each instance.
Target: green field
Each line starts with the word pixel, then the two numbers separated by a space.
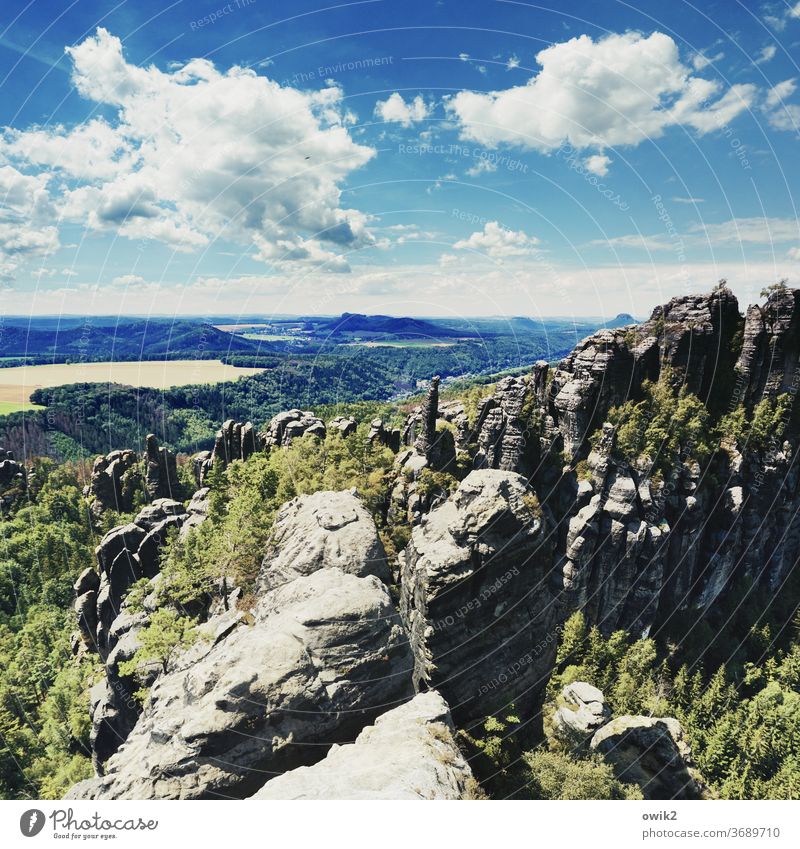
pixel 403 343
pixel 7 407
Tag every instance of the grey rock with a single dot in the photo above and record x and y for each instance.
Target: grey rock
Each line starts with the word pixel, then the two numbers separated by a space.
pixel 653 753
pixel 583 711
pixel 477 597
pixel 326 655
pixel 323 531
pixel 409 753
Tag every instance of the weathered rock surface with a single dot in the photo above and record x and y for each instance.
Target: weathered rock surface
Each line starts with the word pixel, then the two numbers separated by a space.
pixel 346 425
pixel 114 482
pixel 653 753
pixel 326 655
pixel 768 363
pixel 583 711
pixel 409 753
pixel 323 531
pixel 477 596
pixel 13 479
pixel 234 441
pixel 507 438
pixel 382 435
pixel 160 471
pixel 290 425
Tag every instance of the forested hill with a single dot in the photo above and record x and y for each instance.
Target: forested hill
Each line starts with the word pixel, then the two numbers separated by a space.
pixel 578 582
pixel 95 340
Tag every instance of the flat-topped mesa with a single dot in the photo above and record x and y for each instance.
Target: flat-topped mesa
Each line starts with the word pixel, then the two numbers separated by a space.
pixel 234 441
pixel 768 363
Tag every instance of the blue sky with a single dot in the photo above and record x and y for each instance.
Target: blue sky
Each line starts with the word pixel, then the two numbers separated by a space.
pixel 450 158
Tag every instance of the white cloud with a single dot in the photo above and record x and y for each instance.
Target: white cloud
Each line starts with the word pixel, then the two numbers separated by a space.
pixel 619 90
pixel 482 166
pixel 512 63
pixel 395 110
pixel 767 54
pixel 26 230
pixel 126 281
pixel 793 253
pixel 688 200
pixel 497 241
pixel 597 164
pixel 195 154
pixel 702 60
pixel 782 115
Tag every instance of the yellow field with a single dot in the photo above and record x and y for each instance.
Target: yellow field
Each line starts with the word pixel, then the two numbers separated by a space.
pixel 16 384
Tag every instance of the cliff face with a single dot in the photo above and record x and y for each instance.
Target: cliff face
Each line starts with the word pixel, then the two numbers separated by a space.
pixel 636 545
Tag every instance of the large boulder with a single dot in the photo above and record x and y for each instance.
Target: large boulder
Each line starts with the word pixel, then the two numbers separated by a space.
pixel 581 712
pixel 325 656
pixel 291 424
pixel 409 753
pixel 115 480
pixel 477 596
pixel 322 531
pixel 653 753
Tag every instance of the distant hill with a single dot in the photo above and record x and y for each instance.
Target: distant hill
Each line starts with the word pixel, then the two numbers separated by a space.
pixel 386 325
pixel 124 340
pixel 621 320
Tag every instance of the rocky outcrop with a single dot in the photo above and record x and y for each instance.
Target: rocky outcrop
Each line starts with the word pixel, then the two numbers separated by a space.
pixel 768 364
pixel 326 530
pixel 13 479
pixel 506 432
pixel 323 655
pixel 653 753
pixel 234 441
pixel 477 596
pixel 582 711
pixel 345 425
pixel 379 434
pixel 290 425
pixel 116 478
pixel 409 753
pixel 160 471
pixel 125 555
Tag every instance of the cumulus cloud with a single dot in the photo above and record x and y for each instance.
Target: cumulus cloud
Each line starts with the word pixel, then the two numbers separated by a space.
pixel 25 220
pixel 195 153
pixel 395 110
pixel 597 164
pixel 498 241
pixel 618 90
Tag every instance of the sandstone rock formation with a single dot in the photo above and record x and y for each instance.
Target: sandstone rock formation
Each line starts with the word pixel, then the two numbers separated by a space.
pixel 507 434
pixel 290 425
pixel 583 710
pixel 234 441
pixel 160 470
pixel 380 434
pixel 477 596
pixel 325 655
pixel 323 530
pixel 653 753
pixel 409 753
pixel 115 480
pixel 346 425
pixel 13 479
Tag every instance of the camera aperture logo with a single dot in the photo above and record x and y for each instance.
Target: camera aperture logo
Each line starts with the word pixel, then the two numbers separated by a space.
pixel 65 823
pixel 31 822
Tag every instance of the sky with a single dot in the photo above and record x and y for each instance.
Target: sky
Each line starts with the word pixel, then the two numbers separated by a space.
pixel 451 158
